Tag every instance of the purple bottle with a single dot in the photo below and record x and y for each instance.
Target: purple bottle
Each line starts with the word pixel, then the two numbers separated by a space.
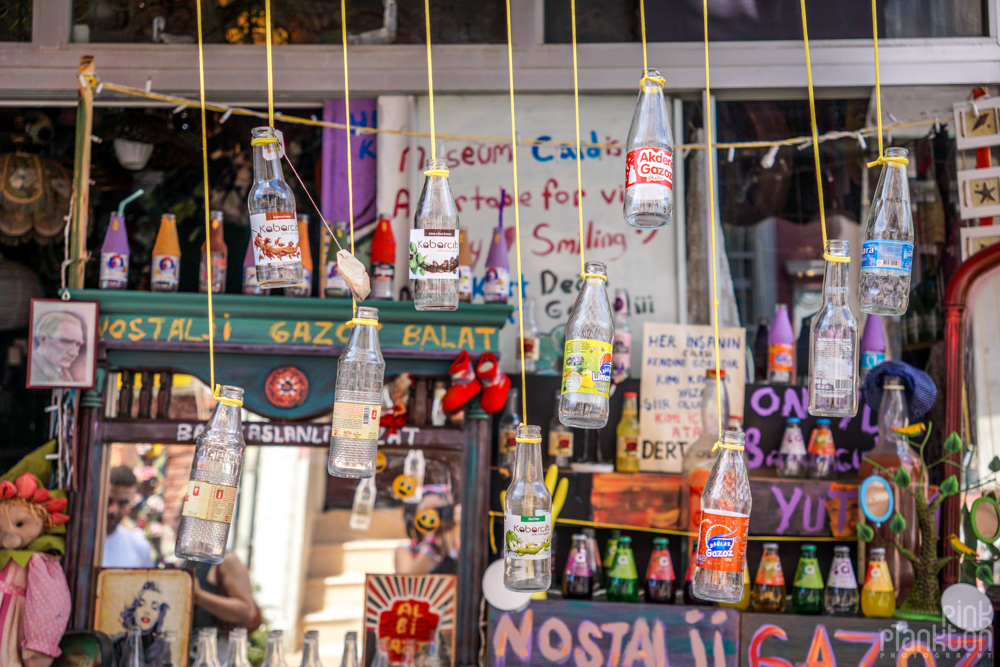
pixel 578 578
pixel 250 285
pixel 872 345
pixel 114 255
pixel 781 348
pixel 497 285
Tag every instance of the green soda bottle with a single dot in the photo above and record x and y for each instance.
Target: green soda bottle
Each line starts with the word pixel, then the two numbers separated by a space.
pixel 609 556
pixel 623 580
pixel 807 589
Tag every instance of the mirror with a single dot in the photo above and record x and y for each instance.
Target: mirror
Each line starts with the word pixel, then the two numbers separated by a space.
pixel 986 519
pixel 876 499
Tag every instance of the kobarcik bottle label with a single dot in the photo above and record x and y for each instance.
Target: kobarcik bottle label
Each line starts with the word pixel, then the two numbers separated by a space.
pixel 165 269
pixel 114 266
pixel 885 255
pixel 649 165
pixel 769 573
pixel 807 575
pixel 527 537
pixel 587 367
pixel 722 540
pixel 275 238
pixel 560 443
pixel 434 253
pixel 210 502
pixel 355 421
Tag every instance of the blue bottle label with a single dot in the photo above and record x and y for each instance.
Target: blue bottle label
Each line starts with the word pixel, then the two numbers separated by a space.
pixel 887 256
pixel 870 360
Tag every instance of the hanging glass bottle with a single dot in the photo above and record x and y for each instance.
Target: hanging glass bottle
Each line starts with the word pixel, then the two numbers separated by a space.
pixel 434 243
pixel 649 163
pixel 358 400
pixel 114 255
pixel 274 229
pixel 527 518
pixel 310 650
pixel 132 654
pixel 274 654
pixel 887 253
pixel 833 345
pixel 587 356
pixel 236 655
pixel 206 652
pixel 210 501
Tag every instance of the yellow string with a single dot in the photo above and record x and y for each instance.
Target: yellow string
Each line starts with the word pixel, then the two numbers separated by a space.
pixel 517 223
pixel 363 322
pixel 217 395
pixel 882 159
pixel 594 275
pixel 437 172
pixel 430 77
pixel 263 141
pixel 576 106
pixel 519 439
pixel 208 221
pixel 711 214
pixel 270 76
pixel 347 115
pixel 645 65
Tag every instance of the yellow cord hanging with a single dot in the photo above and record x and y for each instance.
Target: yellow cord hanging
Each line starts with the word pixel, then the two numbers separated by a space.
pixel 430 81
pixel 517 223
pixel 882 159
pixel 217 395
pixel 270 68
pixel 363 322
pixel 347 116
pixel 645 64
pixel 576 107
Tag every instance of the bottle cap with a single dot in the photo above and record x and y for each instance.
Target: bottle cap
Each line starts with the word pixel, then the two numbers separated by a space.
pixel 770 545
pixel 878 551
pixel 793 420
pixel 823 420
pixel 809 547
pixel 631 393
pixel 624 540
pixel 661 542
pixel 711 373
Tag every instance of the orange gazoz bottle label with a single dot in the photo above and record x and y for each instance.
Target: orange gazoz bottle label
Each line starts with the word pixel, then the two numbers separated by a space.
pixel 722 540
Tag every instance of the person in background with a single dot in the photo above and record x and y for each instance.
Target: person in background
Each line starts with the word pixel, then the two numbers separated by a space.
pixel 123 547
pixel 435 552
pixel 223 598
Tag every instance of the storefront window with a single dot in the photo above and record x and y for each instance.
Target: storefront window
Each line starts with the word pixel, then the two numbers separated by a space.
pixel 15 21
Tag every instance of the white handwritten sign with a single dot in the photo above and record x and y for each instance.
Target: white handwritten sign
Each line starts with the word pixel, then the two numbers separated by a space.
pixel 675 359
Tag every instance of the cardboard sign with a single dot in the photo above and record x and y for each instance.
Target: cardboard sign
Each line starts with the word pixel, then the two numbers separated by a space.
pixel 407 616
pixel 675 358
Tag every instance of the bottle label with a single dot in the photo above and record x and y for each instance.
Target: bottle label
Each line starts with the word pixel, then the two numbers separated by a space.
pixel 792 443
pixel 211 502
pixel 870 360
pixel 821 442
pixel 628 447
pixel 769 573
pixel 114 266
pixel 166 269
pixel 833 374
pixel 722 540
pixel 587 367
pixel 578 564
pixel 561 443
pixel 661 567
pixel 781 358
pixel 621 354
pixel 531 350
pixel 887 256
pixel 878 578
pixel 434 254
pixel 334 281
pixel 497 282
pixel 355 421
pixel 624 565
pixel 649 165
pixel 807 575
pixel 842 574
pixel 383 271
pixel 508 441
pixel 218 273
pixel 465 279
pixel 527 537
pixel 250 285
pixel 275 238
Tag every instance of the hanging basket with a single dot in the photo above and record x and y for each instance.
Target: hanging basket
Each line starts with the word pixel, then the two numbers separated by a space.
pixel 34 198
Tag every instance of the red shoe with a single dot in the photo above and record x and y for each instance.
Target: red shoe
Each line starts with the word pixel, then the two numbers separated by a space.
pixel 464 384
pixel 496 384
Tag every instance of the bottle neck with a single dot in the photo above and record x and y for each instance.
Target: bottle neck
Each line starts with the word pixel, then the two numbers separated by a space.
pixel 709 406
pixel 350 658
pixel 630 407
pixel 264 169
pixel 310 651
pixel 835 283
pixel 275 654
pixel 237 653
pixel 225 418
pixel 528 462
pixel 206 650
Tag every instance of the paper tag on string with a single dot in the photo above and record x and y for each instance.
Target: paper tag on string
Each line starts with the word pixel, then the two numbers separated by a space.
pixel 275 151
pixel 354 274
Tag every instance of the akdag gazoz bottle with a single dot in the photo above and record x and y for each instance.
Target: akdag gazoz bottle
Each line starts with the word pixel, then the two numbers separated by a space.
pixel 358 400
pixel 649 162
pixel 587 358
pixel 781 348
pixel 725 518
pixel 793 457
pixel 210 500
pixel 833 344
pixel 434 243
pixel 527 518
pixel 274 229
pixel 887 252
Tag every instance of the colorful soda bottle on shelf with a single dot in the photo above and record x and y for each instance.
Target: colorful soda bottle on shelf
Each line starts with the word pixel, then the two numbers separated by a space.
pixel 627 459
pixel 621 347
pixel 609 553
pixel 560 440
pixel 841 598
pixel 649 162
pixel 496 287
pixel 531 349
pixel 274 228
pixel 794 458
pixel 305 288
pixel 872 346
pixel 220 254
pixel 166 269
pixel 434 243
pixel 250 285
pixel 623 580
pixel 114 255
pixel 357 401
pixel 887 252
pixel 689 596
pixel 335 285
pixel 383 260
pixel 822 451
pixel 744 602
pixel 660 573
pixel 465 277
pixel 700 457
pixel 590 331
pixel 878 597
pixel 807 588
pixel 527 518
pixel 781 348
pixel 725 518
pixel 578 578
pixel 834 344
pixel 507 433
pixel 769 585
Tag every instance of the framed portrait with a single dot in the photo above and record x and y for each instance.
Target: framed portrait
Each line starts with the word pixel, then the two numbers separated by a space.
pixel 410 618
pixel 63 344
pixel 158 601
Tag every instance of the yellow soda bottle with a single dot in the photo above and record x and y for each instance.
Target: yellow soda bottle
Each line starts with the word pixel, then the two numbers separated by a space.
pixel 744 602
pixel 878 598
pixel 627 459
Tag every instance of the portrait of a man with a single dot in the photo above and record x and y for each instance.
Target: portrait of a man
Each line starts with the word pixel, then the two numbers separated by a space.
pixel 63 343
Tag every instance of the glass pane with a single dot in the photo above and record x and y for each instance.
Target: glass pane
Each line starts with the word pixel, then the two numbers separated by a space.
pixel 982 374
pixel 294 22
pixel 15 20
